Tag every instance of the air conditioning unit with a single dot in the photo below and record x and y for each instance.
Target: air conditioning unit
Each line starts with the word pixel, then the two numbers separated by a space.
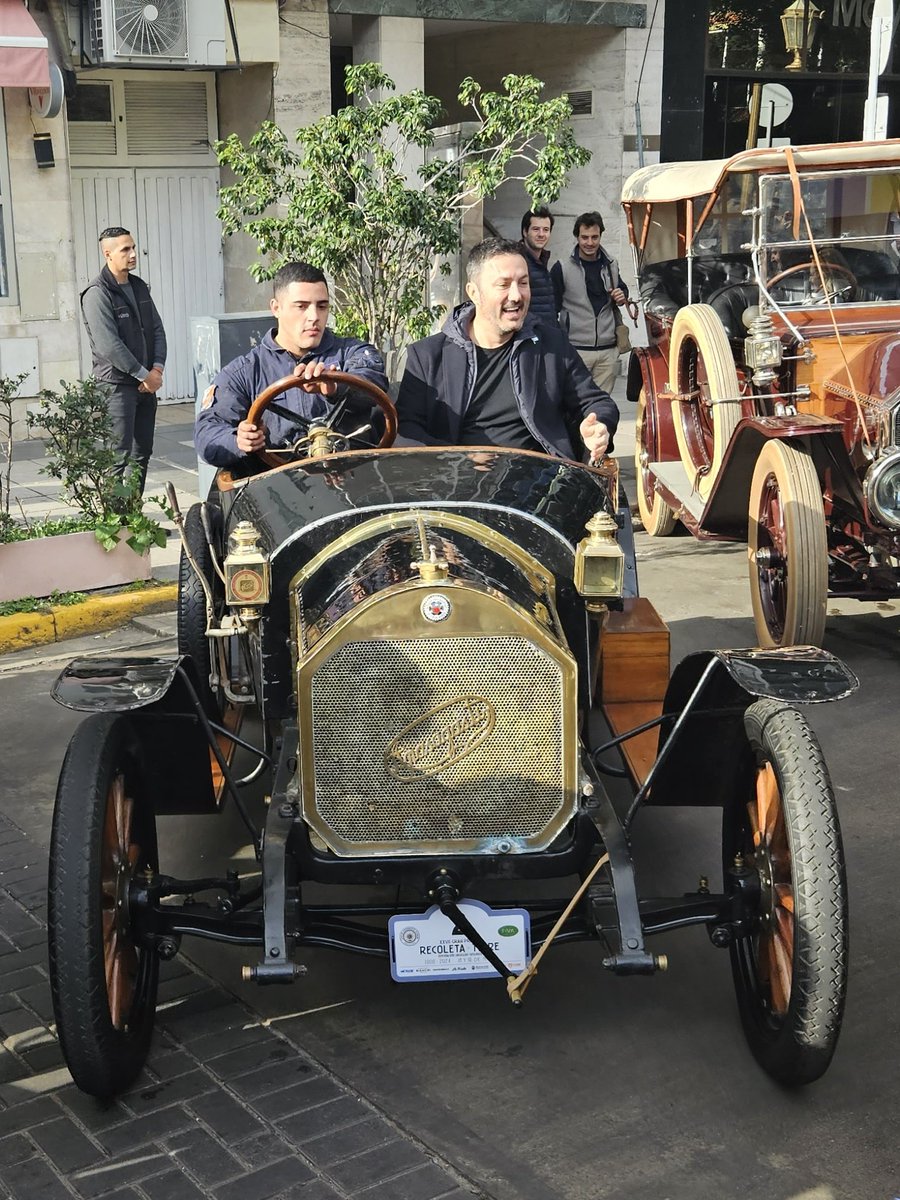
pixel 170 33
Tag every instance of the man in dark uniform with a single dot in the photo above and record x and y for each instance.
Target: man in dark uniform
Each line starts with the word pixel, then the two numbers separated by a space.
pixel 128 347
pixel 301 345
pixel 496 377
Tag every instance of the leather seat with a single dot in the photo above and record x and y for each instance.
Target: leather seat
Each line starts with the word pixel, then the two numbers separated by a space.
pixel 875 271
pixel 663 287
pixel 730 303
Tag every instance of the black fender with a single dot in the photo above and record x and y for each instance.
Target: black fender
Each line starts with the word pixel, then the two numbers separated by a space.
pixel 705 761
pixel 124 683
pixel 726 511
pixel 157 692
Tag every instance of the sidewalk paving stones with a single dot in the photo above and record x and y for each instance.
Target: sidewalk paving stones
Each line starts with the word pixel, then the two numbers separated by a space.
pixel 227 1109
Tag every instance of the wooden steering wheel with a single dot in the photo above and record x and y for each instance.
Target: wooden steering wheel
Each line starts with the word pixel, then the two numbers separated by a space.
pixel 813 271
pixel 321 435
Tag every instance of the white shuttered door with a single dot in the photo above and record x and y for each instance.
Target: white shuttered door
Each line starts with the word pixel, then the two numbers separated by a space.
pixel 180 257
pixel 162 187
pixel 99 199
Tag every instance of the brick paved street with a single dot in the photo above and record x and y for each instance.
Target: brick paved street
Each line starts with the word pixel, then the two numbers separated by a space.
pixel 227 1107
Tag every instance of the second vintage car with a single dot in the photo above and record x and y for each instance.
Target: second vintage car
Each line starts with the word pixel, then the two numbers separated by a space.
pixel 769 394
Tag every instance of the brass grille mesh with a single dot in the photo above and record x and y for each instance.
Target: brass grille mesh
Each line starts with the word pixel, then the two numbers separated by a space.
pixel 509 785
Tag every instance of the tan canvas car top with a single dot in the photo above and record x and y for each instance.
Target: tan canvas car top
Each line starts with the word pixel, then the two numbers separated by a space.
pixel 665 182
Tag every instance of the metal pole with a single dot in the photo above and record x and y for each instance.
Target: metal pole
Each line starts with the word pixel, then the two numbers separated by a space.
pixel 872 92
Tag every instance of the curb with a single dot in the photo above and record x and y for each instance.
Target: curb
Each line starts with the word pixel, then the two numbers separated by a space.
pixel 21 630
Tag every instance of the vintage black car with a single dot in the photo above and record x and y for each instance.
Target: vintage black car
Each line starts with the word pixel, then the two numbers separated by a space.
pixel 407 651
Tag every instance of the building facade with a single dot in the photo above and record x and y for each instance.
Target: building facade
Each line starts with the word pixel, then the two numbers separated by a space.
pixel 743 74
pixel 124 129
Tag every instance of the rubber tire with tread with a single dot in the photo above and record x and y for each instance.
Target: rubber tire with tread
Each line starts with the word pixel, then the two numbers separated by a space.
pixel 103 1060
pixel 700 324
pixel 796 1049
pixel 806 547
pixel 657 517
pixel 192 639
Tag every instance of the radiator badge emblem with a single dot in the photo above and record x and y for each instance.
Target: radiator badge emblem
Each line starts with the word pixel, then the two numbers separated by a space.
pixel 436 607
pixel 439 738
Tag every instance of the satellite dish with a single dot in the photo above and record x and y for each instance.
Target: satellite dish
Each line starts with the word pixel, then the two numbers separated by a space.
pixel 47 102
pixel 776 103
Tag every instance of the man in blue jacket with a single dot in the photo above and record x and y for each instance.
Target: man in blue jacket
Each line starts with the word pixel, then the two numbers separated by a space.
pixel 301 345
pixel 496 377
pixel 537 225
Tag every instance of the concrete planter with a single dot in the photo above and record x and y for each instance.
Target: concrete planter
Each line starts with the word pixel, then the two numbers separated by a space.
pixel 71 562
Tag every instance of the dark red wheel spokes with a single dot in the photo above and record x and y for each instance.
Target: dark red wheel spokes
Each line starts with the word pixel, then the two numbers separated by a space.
pixel 771 556
pixel 698 419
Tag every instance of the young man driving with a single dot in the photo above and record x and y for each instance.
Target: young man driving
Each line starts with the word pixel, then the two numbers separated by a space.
pixel 301 345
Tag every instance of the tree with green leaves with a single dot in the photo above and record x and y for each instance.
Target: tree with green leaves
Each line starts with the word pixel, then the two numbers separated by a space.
pixel 343 201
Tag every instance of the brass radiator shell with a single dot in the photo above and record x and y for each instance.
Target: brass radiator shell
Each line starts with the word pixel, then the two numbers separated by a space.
pixel 451 736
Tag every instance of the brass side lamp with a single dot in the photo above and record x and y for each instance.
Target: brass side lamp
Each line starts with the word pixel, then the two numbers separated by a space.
pixel 600 561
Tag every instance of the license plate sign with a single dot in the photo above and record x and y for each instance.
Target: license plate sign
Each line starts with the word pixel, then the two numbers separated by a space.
pixel 428 946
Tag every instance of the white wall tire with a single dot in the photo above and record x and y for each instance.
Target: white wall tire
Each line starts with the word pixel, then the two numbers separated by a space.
pixel 701 362
pixel 788 548
pixel 657 517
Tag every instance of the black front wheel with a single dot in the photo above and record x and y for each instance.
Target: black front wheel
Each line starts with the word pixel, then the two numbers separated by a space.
pixel 102 978
pixel 192 610
pixel 790 969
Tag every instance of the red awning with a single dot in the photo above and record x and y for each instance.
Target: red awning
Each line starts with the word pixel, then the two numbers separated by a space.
pixel 24 60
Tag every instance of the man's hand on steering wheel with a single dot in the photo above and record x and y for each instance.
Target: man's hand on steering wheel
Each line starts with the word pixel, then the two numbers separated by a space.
pixel 251 438
pixel 308 373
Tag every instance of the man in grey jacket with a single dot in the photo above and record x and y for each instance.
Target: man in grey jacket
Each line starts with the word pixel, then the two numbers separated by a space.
pixel 128 347
pixel 589 290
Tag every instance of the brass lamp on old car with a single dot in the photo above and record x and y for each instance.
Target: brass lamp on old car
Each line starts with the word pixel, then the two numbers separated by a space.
pixel 430 667
pixel 600 561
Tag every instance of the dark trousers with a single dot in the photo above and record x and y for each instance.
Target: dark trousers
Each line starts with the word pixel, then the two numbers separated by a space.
pixel 133 416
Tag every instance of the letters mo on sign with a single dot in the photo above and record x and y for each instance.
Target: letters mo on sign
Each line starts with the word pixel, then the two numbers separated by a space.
pixel 853 14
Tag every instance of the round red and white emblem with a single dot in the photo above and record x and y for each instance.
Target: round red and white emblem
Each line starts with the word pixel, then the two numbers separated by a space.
pixel 436 607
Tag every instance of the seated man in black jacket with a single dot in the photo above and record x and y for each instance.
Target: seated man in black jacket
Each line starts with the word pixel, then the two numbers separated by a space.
pixel 495 377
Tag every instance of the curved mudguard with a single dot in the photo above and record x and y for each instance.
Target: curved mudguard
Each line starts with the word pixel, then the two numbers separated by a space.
pixel 709 759
pixel 121 684
pixel 822 438
pixel 176 765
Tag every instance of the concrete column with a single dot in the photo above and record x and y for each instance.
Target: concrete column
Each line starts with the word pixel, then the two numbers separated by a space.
pixel 244 102
pixel 302 91
pixel 398 44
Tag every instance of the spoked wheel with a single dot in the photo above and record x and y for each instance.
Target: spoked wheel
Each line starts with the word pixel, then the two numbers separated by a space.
pixel 102 979
pixel 788 548
pixel 657 518
pixel 192 637
pixel 790 970
pixel 701 368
